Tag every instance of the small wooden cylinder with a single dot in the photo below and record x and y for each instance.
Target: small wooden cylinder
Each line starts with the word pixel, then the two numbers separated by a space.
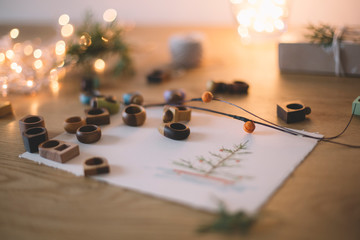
pixel 71 124
pixel 33 137
pixel 31 121
pixel 95 165
pixel 134 115
pixel 88 133
pixel 97 116
pixel 176 114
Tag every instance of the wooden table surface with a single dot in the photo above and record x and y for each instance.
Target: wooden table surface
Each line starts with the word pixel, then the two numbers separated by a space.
pixel 320 200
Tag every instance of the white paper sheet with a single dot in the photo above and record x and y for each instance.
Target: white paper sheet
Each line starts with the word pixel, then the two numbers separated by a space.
pixel 142 159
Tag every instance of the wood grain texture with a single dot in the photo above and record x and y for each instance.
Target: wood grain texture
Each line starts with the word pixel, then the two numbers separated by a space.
pixel 320 200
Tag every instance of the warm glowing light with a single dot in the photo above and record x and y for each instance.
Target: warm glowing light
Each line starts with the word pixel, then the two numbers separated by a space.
pixel 266 17
pixel 279 2
pixel 85 40
pixel 61 64
pixel 28 50
pixel 29 83
pixel 109 15
pixel 259 25
pixel 4 86
pixel 2 57
pixel 64 19
pixel 38 64
pixel 18 69
pixel 99 65
pixel 13 65
pixel 37 53
pixel 14 33
pixel 279 24
pixel 10 54
pixel 53 75
pixel 105 39
pixel 67 30
pixel 60 47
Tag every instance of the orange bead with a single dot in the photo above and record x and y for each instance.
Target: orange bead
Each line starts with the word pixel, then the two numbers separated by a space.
pixel 207 97
pixel 249 126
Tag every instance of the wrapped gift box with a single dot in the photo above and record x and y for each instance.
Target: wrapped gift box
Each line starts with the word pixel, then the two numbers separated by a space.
pixel 296 55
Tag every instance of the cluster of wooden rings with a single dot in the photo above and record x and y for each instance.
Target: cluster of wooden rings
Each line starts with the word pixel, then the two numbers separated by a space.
pixel 237 87
pixel 172 126
pixel 33 131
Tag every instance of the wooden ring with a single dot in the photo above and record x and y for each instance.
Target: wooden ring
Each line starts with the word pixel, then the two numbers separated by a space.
pixel 88 133
pixel 95 165
pixel 176 131
pixel 31 121
pixel 71 124
pixel 33 137
pixel 176 114
pixel 134 115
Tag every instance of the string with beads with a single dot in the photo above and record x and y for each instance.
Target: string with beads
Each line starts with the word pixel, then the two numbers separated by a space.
pixel 249 125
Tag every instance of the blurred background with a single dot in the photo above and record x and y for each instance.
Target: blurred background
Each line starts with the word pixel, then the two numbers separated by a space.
pixel 175 12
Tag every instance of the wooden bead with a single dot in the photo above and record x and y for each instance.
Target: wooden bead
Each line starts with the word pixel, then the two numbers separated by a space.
pixel 71 124
pixel 176 114
pixel 174 96
pixel 133 98
pixel 292 112
pixel 134 115
pixel 97 116
pixel 31 121
pixel 207 97
pixel 95 165
pixel 105 102
pixel 33 137
pixel 176 131
pixel 88 133
pixel 5 108
pixel 249 127
pixel 58 151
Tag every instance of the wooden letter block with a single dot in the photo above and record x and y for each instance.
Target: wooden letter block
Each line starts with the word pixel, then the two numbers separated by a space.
pixel 292 112
pixel 58 151
pixel 176 114
pixel 356 106
pixel 5 108
pixel 31 121
pixel 96 165
pixel 33 137
pixel 97 116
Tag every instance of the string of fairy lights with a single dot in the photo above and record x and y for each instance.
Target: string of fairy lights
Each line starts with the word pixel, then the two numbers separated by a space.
pixel 27 66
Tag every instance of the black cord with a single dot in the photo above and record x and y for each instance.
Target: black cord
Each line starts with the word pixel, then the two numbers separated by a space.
pixel 267 124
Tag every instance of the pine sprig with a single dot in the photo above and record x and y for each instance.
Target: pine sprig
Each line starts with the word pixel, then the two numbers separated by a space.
pixel 226 222
pixel 93 40
pixel 322 34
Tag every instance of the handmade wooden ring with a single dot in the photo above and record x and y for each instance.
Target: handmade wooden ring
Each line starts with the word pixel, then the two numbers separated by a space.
pixel 97 116
pixel 58 151
pixel 95 165
pixel 109 103
pixel 134 115
pixel 31 121
pixel 5 108
pixel 174 96
pixel 88 133
pixel 176 114
pixel 238 87
pixel 176 131
pixel 133 98
pixel 71 124
pixel 33 137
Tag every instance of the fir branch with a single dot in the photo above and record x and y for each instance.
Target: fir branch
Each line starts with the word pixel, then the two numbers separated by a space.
pixel 322 34
pixel 229 223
